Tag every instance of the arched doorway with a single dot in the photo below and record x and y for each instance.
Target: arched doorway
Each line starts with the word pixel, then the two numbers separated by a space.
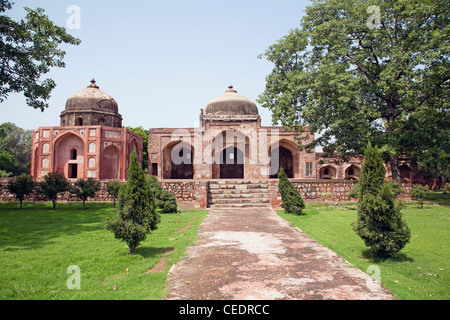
pixel 328 172
pixel 281 157
pixel 405 172
pixel 232 163
pixel 69 156
pixel 110 163
pixel 352 172
pixel 178 161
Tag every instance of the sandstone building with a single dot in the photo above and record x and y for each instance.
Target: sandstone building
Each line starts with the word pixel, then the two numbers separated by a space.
pixel 230 159
pixel 90 141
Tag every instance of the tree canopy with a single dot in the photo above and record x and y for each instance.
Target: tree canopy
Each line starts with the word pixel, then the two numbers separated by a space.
pixel 15 149
pixel 29 49
pixel 355 78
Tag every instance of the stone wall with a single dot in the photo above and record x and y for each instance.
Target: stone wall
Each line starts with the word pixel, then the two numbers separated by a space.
pixel 196 191
pixel 102 195
pixel 324 190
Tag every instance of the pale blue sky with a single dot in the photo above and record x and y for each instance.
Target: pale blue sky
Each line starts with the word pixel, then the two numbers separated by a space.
pixel 161 60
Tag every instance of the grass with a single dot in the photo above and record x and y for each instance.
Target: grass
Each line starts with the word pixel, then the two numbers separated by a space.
pixel 38 244
pixel 421 271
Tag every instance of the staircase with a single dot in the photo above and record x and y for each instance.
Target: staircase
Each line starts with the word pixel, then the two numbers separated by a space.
pixel 238 193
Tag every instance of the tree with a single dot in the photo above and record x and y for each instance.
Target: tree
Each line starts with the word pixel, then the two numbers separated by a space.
pixel 6 162
pixel 15 149
pixel 379 224
pixel 372 172
pixel 291 199
pixel 419 193
pixel 144 134
pixel 30 48
pixel 354 79
pixel 136 208
pixel 21 186
pixel 54 183
pixel 113 188
pixel 84 189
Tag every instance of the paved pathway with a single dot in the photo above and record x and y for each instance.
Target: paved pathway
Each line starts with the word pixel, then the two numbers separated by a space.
pixel 252 253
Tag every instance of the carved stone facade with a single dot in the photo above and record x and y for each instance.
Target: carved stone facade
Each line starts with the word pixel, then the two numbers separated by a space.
pixel 90 142
pixel 230 143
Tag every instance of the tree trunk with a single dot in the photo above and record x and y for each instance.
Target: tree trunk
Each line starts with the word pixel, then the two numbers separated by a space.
pixel 21 204
pixel 84 204
pixel 54 204
pixel 395 168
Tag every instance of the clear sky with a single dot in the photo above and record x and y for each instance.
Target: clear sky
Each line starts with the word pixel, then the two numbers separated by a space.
pixel 162 61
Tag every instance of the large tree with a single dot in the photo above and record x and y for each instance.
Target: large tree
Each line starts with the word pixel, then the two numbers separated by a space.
pixel 359 71
pixel 15 149
pixel 29 48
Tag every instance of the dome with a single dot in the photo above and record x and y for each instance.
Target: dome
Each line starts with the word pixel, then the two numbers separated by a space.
pixel 91 107
pixel 92 98
pixel 231 103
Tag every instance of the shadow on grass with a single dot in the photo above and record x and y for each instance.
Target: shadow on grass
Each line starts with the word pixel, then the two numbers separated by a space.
pixel 440 198
pixel 398 257
pixel 37 224
pixel 147 252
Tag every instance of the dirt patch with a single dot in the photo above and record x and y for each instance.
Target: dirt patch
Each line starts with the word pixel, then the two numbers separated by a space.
pixel 159 267
pixel 185 228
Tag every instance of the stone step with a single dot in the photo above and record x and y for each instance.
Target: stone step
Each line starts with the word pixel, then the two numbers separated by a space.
pixel 239 195
pixel 240 205
pixel 237 191
pixel 238 186
pixel 238 200
pixel 237 181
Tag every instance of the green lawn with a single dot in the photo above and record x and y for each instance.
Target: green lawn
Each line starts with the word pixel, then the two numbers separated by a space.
pixel 38 244
pixel 420 271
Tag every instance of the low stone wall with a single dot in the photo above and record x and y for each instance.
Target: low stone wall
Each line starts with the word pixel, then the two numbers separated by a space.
pixel 102 195
pixel 324 190
pixel 314 191
pixel 196 191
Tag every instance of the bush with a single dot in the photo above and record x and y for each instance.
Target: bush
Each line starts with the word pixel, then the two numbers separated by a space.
pixel 54 183
pixel 136 207
pixel 113 188
pixel 165 200
pixel 446 188
pixel 379 224
pixel 396 188
pixel 291 199
pixel 419 193
pixel 84 189
pixel 21 186
pixel 155 186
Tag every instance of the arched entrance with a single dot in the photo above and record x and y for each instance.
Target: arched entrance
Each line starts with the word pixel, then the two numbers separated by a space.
pixel 110 163
pixel 328 172
pixel 281 157
pixel 69 156
pixel 232 163
pixel 352 172
pixel 178 161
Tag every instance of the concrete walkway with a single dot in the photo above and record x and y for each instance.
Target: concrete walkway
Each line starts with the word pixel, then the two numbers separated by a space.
pixel 252 253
